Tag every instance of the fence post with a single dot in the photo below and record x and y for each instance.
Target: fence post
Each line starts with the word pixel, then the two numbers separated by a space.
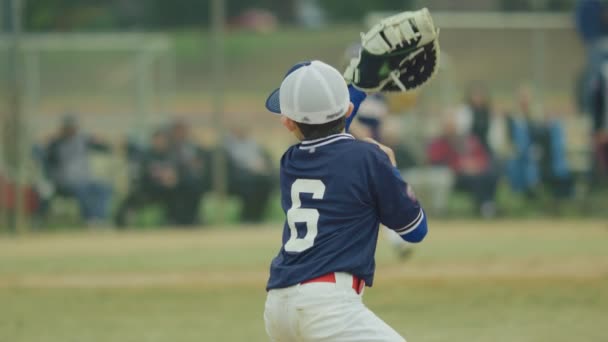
pixel 16 120
pixel 219 166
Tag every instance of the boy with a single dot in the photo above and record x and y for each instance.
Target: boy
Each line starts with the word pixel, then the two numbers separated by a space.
pixel 335 192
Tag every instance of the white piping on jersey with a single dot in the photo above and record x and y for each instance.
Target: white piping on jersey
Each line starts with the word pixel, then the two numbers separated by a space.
pixel 306 142
pixel 413 225
pixel 311 144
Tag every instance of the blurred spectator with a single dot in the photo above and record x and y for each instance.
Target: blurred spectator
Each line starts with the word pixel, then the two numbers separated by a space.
pixel 371 114
pixel 156 181
pixel 598 108
pixel 554 168
pixel 193 165
pixel 403 156
pixel 67 161
pixel 592 20
pixel 499 138
pixel 250 173
pixel 475 116
pixel 432 184
pixel 522 168
pixel 310 14
pixel 600 137
pixel 538 151
pixel 592 24
pixel 466 157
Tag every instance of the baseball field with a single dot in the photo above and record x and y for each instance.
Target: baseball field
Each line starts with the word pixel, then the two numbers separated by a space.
pixel 540 280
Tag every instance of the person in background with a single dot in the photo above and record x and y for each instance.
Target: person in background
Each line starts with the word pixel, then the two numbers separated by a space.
pixel 475 115
pixel 67 160
pixel 592 24
pixel 471 164
pixel 194 170
pixel 591 18
pixel 369 121
pixel 522 168
pixel 554 168
pixel 250 173
pixel 599 131
pixel 393 138
pixel 156 181
pixel 433 184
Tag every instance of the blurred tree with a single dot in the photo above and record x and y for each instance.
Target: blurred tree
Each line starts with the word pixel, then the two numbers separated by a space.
pixel 560 5
pixel 67 15
pixel 129 13
pixel 284 9
pixel 5 16
pixel 538 5
pixel 354 10
pixel 176 13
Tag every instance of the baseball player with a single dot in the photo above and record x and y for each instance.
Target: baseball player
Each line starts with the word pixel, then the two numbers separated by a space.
pixel 335 191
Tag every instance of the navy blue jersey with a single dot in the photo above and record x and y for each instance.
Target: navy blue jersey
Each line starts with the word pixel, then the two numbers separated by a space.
pixel 335 192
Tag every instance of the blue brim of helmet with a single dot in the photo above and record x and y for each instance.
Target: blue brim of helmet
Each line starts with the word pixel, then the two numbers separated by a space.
pixel 272 102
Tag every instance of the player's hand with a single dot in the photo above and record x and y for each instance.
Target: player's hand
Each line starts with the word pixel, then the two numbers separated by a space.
pixel 389 151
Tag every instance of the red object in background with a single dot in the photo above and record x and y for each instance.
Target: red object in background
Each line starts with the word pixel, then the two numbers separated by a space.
pixel 441 151
pixel 8 196
pixel 255 20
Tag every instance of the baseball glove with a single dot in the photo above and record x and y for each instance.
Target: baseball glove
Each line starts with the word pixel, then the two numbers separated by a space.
pixel 400 53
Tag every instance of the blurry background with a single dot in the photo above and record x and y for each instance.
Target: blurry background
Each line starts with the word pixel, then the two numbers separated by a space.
pixel 512 75
pixel 144 115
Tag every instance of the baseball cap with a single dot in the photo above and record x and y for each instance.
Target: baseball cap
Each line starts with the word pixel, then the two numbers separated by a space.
pixel 312 93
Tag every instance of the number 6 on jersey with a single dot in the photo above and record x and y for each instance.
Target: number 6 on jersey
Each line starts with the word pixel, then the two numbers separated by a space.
pixel 296 214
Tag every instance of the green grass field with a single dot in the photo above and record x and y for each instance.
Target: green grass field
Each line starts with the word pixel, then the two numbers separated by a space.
pixel 470 281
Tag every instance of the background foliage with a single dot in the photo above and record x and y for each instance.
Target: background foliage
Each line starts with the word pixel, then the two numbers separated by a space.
pixel 92 15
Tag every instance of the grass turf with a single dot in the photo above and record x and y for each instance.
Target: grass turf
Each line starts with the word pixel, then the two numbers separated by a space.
pixel 471 281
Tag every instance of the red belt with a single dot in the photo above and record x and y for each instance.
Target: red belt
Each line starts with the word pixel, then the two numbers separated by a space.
pixel 358 283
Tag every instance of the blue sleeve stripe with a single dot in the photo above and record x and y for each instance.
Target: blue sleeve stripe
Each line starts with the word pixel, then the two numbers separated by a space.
pixel 413 225
pixel 417 234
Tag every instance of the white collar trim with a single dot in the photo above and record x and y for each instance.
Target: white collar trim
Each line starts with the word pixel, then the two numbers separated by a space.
pixel 306 142
pixel 312 144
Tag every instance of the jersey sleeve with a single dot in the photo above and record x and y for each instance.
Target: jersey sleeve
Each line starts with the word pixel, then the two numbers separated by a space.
pixel 396 205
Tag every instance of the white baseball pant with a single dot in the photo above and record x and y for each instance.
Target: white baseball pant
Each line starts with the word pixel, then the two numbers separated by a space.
pixel 323 312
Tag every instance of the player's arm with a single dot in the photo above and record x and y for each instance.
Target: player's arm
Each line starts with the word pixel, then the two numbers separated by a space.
pixel 397 206
pixel 356 98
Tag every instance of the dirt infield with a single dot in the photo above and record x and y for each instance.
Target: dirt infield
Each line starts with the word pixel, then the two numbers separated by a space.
pixel 244 278
pixel 239 256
